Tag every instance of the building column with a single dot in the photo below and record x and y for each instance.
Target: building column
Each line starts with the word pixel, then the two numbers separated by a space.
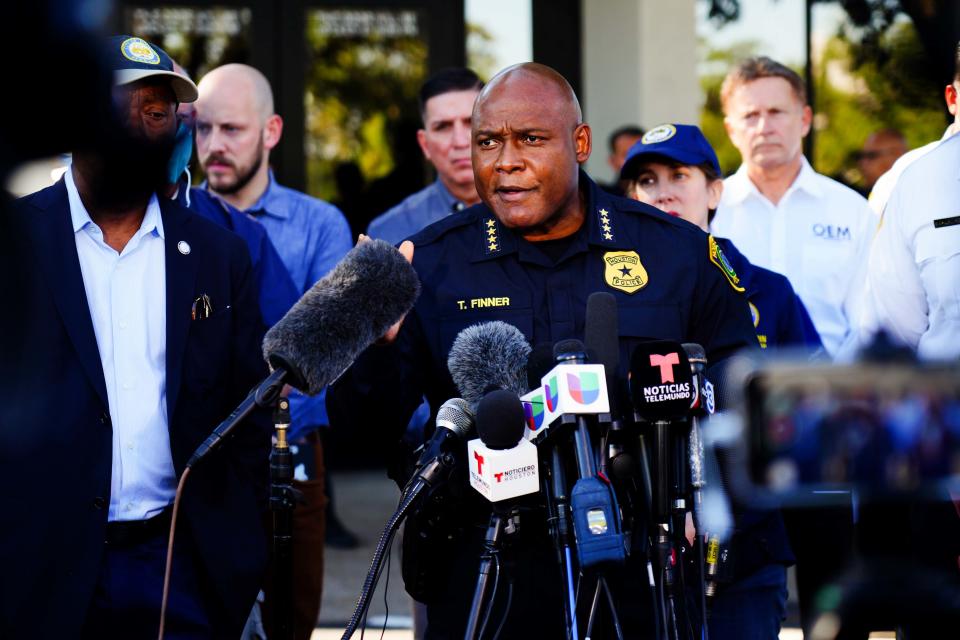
pixel 639 67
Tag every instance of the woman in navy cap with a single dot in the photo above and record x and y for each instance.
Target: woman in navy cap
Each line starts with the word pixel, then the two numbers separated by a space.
pixel 674 168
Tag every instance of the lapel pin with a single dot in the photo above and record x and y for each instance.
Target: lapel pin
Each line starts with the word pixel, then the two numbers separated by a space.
pixel 183 247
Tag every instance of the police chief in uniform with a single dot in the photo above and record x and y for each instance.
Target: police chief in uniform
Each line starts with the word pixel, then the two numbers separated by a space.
pixel 541 241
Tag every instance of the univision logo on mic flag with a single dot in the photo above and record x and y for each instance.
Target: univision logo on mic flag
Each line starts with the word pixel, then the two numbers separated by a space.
pixel 534 405
pixel 575 389
pixel 584 388
pixel 551 391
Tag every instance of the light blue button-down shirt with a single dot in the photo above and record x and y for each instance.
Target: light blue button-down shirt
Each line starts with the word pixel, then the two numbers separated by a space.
pixel 127 296
pixel 311 236
pixel 416 212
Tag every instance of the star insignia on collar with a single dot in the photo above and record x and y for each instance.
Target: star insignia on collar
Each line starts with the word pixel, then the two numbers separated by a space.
pixel 491 224
pixel 493 246
pixel 607 236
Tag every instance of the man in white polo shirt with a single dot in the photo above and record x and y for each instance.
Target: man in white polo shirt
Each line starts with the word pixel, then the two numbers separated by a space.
pixel 779 212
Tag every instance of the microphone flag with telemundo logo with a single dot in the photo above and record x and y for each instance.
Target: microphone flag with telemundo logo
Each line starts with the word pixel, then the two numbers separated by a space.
pixel 661 384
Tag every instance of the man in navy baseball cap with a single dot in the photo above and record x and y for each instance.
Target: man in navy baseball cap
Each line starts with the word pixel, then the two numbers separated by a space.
pixel 133 59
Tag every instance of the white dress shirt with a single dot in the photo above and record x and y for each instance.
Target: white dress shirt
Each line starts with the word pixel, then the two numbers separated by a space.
pixel 817 235
pixel 126 293
pixel 914 268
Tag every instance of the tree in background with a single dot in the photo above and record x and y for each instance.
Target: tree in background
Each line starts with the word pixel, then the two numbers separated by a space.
pixel 877 71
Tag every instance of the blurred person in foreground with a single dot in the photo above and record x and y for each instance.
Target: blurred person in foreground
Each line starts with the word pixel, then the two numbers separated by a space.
pixel 237 129
pixel 541 241
pixel 779 212
pixel 143 334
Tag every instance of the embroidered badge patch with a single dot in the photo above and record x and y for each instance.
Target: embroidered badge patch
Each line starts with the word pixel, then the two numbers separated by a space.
pixel 624 271
pixel 717 258
pixel 138 50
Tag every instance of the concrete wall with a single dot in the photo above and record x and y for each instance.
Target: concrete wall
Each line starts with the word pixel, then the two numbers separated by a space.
pixel 639 67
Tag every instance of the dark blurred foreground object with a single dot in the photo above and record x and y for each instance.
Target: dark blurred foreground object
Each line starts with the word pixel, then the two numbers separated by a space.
pixel 59 88
pixel 882 435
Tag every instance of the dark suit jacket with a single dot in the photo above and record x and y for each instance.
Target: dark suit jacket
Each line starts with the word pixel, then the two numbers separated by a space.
pixel 55 431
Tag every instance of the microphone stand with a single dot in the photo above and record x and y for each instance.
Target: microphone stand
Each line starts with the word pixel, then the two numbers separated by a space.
pixel 558 509
pixel 283 499
pixel 503 521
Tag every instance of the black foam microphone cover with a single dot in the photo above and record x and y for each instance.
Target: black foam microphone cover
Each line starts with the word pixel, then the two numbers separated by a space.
pixel 570 350
pixel 500 419
pixel 489 355
pixel 366 293
pixel 602 338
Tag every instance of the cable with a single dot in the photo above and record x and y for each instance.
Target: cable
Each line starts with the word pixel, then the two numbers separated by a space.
pixel 376 563
pixel 169 563
pixel 493 596
pixel 503 620
pixel 613 610
pixel 386 590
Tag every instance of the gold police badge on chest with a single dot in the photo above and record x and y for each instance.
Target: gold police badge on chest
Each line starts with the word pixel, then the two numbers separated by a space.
pixel 624 272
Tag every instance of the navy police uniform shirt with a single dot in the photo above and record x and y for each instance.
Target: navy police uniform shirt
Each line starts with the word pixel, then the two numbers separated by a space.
pixel 667 282
pixel 779 317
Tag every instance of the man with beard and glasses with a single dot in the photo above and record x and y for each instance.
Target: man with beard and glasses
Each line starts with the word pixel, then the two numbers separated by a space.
pixel 236 130
pixel 137 333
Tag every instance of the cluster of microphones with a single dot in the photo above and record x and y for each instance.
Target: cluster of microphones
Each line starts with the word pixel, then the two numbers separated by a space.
pixel 537 413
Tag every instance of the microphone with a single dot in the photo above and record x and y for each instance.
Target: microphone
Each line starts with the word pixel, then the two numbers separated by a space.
pixel 534 403
pixel 661 385
pixel 502 464
pixel 602 337
pixel 454 420
pixel 576 389
pixel 489 355
pixel 368 291
pixel 372 288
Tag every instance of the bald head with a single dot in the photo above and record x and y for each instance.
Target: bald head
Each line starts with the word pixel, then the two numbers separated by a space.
pixel 528 145
pixel 236 130
pixel 538 82
pixel 240 82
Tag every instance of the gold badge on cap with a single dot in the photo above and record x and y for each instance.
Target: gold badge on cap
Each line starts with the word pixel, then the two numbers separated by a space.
pixel 624 271
pixel 660 133
pixel 138 50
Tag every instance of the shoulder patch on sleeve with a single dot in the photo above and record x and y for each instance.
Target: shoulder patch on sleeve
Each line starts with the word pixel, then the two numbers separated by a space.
pixel 720 260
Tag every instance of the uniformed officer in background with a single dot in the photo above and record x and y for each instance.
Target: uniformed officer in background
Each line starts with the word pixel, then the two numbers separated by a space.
pixel 542 240
pixel 673 167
